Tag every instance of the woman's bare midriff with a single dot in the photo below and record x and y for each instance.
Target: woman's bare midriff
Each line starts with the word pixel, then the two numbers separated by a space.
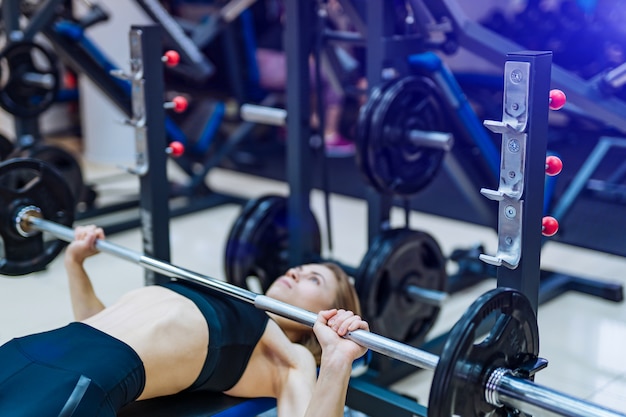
pixel 168 332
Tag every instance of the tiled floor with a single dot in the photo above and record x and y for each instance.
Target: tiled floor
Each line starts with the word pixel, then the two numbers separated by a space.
pixel 584 338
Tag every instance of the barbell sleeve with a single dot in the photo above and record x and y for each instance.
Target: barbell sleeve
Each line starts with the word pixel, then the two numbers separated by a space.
pixel 35 79
pixel 525 395
pixel 278 117
pixel 427 296
pixel 502 388
pixel 263 114
pixel 424 295
pixel 430 139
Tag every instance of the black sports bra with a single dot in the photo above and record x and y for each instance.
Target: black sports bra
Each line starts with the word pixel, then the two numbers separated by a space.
pixel 235 328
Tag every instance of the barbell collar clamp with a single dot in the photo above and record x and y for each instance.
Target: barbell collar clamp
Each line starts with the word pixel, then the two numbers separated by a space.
pixel 507 389
pixel 493 382
pixel 22 220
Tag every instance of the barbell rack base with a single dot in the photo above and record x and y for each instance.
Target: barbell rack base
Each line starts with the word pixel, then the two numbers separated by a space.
pixel 509 389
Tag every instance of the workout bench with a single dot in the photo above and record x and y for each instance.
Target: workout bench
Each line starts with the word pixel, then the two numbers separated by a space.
pixel 365 396
pixel 198 404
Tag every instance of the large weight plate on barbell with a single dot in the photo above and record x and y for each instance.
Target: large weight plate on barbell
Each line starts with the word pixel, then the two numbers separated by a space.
pixel 392 162
pixel 25 182
pixel 29 79
pixel 468 357
pixel 257 245
pixel 399 258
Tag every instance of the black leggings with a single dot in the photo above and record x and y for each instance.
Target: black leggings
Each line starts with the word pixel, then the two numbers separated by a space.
pixel 72 371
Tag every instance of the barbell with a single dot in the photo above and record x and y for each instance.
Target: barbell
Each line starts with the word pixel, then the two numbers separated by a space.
pixel 474 375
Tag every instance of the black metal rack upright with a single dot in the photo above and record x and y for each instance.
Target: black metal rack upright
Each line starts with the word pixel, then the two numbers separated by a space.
pixel 378 58
pixel 384 51
pixel 524 129
pixel 148 118
pixel 299 34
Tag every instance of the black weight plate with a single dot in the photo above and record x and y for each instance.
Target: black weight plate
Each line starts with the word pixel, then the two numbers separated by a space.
pixel 396 165
pixel 234 236
pixel 468 357
pixel 30 79
pixel 25 182
pixel 259 247
pixel 6 147
pixel 61 160
pixel 397 259
pixel 361 139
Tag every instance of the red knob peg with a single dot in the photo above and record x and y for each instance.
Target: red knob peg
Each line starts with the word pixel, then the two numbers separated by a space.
pixel 554 165
pixel 171 58
pixel 178 104
pixel 549 226
pixel 557 99
pixel 175 149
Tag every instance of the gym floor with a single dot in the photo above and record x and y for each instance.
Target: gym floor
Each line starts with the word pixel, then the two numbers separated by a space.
pixel 582 337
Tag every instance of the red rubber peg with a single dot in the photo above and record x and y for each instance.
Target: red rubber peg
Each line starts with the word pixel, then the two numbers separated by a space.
pixel 554 165
pixel 549 226
pixel 557 99
pixel 171 58
pixel 175 149
pixel 178 104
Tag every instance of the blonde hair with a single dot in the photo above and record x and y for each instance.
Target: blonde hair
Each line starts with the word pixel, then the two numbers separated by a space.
pixel 346 298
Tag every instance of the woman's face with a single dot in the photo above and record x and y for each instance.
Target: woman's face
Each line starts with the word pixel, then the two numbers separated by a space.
pixel 312 287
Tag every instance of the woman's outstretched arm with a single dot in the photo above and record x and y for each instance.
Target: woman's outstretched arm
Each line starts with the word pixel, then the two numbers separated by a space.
pixel 85 302
pixel 329 393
